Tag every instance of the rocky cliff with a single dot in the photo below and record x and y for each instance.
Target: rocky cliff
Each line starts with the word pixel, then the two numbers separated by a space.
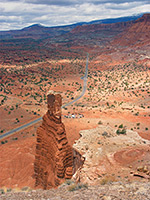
pixel 114 27
pixel 54 156
pixel 137 34
pixel 110 156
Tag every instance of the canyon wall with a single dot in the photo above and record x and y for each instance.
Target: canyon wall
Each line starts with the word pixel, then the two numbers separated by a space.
pixel 136 35
pixel 54 156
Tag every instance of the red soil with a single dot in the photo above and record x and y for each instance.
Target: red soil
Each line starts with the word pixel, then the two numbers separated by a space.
pixel 128 156
pixel 17 164
pixel 144 135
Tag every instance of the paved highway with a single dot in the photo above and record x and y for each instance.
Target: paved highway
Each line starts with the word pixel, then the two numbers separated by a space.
pixel 84 85
pixel 11 132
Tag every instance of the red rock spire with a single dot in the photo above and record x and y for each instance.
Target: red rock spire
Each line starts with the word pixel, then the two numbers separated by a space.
pixel 54 156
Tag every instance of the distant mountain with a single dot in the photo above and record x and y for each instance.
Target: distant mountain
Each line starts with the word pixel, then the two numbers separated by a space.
pixel 37 31
pixel 115 20
pixel 33 27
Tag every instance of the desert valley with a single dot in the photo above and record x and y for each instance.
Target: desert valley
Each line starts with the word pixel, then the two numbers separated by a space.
pixel 109 126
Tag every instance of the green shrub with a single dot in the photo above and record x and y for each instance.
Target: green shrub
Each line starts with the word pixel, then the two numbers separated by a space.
pixel 69 182
pixel 9 189
pixel 137 113
pixel 26 188
pixel 15 138
pixel 120 126
pixel 2 142
pixel 121 131
pixel 77 186
pixel 2 191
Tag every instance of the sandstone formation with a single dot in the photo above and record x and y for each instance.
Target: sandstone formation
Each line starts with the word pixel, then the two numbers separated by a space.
pixel 54 156
pixel 107 153
pixel 116 27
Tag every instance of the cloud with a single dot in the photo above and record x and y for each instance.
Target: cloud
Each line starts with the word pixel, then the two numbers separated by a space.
pixel 75 2
pixel 123 6
pixel 18 14
pixel 79 2
pixel 53 2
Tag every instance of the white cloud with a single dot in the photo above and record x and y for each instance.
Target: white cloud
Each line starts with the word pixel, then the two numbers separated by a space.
pixel 10 18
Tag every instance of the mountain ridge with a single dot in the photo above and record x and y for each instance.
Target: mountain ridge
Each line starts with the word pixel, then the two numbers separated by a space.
pixel 44 43
pixel 38 31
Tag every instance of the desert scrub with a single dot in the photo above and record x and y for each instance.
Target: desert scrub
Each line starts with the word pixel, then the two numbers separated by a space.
pixel 120 126
pixel 69 182
pixel 26 189
pixel 77 186
pixel 107 179
pixel 121 130
pixel 5 190
pixel 2 191
pixel 100 122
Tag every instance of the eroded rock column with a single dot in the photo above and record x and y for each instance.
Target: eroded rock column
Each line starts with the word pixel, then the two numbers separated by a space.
pixel 54 156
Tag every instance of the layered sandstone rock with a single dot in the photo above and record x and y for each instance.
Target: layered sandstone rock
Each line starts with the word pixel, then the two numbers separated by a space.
pixel 108 153
pixel 54 156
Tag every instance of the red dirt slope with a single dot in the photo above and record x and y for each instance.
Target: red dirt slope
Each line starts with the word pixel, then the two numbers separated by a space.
pixel 137 34
pixel 17 164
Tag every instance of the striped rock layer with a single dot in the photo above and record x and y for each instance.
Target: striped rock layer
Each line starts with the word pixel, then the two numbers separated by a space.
pixel 54 156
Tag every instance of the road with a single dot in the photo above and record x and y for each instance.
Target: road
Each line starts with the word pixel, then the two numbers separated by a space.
pixel 84 85
pixel 11 132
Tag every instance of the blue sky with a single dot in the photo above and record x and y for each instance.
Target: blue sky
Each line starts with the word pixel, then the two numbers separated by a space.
pixel 18 14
